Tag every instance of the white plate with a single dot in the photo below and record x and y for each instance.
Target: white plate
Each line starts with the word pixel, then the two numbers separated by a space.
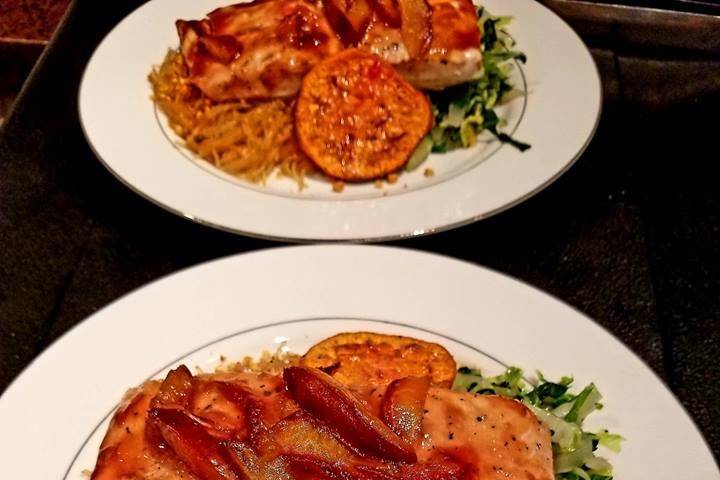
pixel 54 414
pixel 557 115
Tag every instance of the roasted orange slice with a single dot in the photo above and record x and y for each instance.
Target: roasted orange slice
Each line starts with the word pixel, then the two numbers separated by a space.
pixel 357 118
pixel 364 358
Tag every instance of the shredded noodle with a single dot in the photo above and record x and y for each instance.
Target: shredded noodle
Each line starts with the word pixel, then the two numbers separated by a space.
pixel 246 139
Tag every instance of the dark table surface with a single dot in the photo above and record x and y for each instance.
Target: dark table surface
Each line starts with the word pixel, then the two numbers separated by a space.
pixel 629 235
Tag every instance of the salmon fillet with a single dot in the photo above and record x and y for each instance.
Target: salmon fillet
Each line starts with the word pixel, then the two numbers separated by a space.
pixel 307 425
pixel 263 49
pixel 501 437
pixel 453 55
pixel 255 50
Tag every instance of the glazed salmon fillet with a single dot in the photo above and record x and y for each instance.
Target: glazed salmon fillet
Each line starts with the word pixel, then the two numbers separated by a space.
pixel 255 50
pixel 452 55
pixel 501 437
pixel 216 404
pixel 263 49
pixel 304 424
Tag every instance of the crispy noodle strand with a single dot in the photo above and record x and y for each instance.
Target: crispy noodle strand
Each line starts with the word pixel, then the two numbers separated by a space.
pixel 246 139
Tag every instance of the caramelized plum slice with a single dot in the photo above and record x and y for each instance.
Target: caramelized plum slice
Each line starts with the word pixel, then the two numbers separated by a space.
pixel 350 18
pixel 440 468
pixel 308 467
pixel 192 443
pixel 415 26
pixel 303 467
pixel 403 405
pixel 176 390
pixel 388 10
pixel 245 459
pixel 328 401
pixel 301 434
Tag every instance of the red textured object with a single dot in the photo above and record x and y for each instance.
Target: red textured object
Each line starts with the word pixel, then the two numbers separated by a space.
pixel 30 20
pixel 328 401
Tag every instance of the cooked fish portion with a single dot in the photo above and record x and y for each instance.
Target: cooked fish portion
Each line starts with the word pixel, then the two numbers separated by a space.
pixel 129 449
pixel 453 53
pixel 255 50
pixel 441 70
pixel 307 425
pixel 263 49
pixel 172 429
pixel 499 436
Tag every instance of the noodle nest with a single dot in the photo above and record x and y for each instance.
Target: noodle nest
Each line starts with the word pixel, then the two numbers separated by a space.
pixel 246 139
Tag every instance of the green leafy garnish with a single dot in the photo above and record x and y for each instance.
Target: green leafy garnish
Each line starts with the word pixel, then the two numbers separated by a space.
pixel 464 111
pixel 422 151
pixel 561 410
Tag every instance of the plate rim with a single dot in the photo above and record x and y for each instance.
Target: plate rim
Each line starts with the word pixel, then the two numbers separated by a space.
pixel 338 237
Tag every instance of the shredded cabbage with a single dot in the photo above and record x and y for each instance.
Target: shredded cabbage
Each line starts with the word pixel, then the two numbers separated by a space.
pixel 562 411
pixel 422 151
pixel 611 441
pixel 464 111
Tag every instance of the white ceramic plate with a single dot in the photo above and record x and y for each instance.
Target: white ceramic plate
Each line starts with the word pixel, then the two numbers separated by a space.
pixel 54 415
pixel 557 114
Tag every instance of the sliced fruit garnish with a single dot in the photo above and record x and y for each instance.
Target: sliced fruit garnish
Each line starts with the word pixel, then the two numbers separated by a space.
pixel 245 459
pixel 350 18
pixel 328 401
pixel 176 390
pixel 357 118
pixel 389 11
pixel 307 467
pixel 403 406
pixel 301 434
pixel 363 358
pixel 192 443
pixel 415 26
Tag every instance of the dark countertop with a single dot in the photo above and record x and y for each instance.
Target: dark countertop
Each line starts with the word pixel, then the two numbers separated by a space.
pixel 25 28
pixel 629 235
